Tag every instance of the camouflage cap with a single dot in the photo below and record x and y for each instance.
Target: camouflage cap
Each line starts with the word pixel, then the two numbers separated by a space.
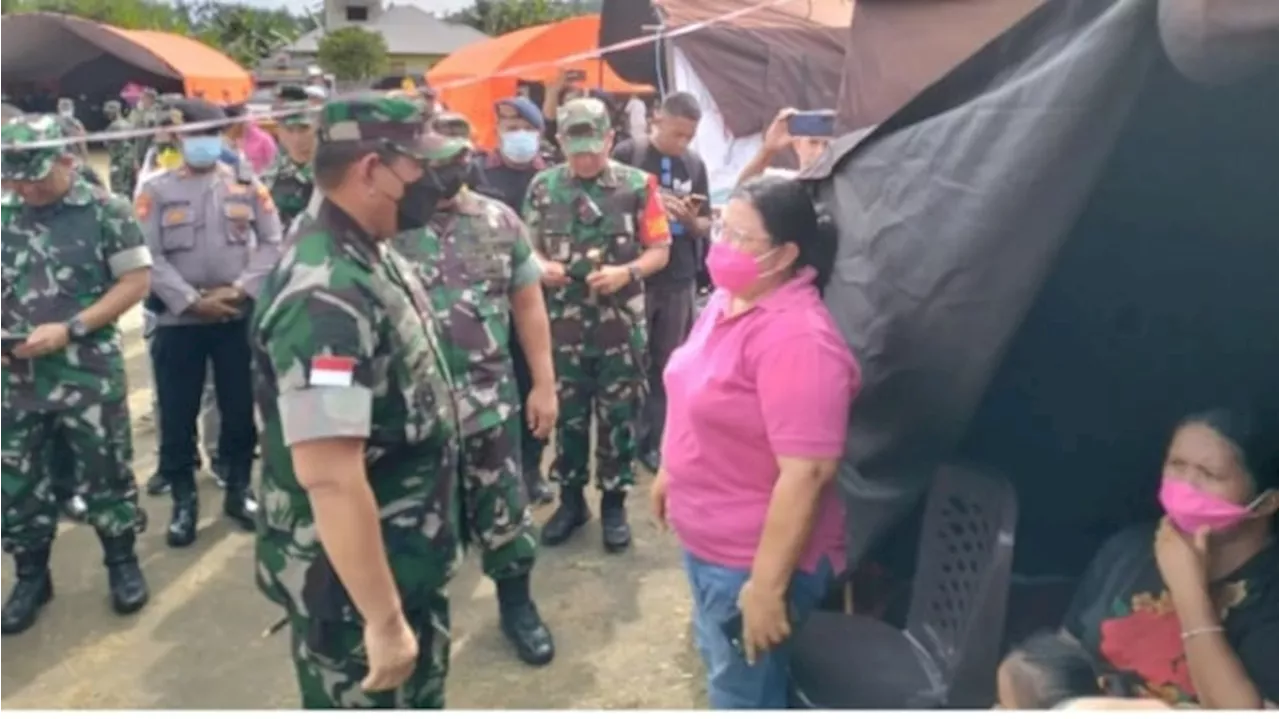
pixel 398 121
pixel 438 148
pixel 451 124
pixel 32 164
pixel 300 114
pixel 582 125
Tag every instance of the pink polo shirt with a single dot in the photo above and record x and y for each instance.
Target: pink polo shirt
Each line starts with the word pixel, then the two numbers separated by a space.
pixel 774 381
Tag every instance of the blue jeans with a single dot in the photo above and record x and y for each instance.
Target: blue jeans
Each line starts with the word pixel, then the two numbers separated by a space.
pixel 731 683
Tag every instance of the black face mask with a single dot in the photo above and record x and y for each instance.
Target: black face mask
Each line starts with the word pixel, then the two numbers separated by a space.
pixel 418 204
pixel 451 179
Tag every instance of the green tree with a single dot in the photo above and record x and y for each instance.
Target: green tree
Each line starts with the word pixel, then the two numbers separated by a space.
pixel 352 54
pixel 499 17
pixel 128 14
pixel 247 34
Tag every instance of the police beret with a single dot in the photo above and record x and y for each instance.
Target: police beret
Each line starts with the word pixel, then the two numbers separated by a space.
pixel 194 109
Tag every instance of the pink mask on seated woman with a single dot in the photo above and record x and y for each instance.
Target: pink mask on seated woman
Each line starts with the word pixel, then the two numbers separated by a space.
pixel 1192 509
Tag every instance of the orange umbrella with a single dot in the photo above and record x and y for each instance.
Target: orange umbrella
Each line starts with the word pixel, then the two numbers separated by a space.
pixel 532 45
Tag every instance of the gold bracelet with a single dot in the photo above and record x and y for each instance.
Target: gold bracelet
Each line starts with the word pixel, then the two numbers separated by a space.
pixel 1215 629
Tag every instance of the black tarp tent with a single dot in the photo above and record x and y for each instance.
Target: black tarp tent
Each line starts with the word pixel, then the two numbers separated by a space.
pixel 1051 254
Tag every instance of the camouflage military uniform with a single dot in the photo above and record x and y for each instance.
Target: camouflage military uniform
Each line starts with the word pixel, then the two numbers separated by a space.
pixel 122 155
pixel 339 295
pixel 58 260
pixel 599 341
pixel 290 182
pixel 468 261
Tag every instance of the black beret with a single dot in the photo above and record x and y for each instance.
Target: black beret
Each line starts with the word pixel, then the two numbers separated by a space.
pixel 193 109
pixel 291 93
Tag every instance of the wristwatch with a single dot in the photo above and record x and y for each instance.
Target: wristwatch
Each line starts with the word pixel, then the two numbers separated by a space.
pixel 634 272
pixel 76 328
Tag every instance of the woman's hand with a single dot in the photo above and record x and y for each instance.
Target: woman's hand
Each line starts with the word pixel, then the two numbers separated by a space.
pixel 764 619
pixel 1183 560
pixel 658 497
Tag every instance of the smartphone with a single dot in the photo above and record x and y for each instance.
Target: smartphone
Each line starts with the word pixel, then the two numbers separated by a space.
pixel 732 629
pixel 814 123
pixel 575 75
pixel 10 342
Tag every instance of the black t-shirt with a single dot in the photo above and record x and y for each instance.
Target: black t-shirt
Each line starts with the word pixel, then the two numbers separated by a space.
pixel 1123 614
pixel 680 176
pixel 503 182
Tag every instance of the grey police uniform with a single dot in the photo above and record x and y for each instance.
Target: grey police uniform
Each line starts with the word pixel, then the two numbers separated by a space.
pixel 206 230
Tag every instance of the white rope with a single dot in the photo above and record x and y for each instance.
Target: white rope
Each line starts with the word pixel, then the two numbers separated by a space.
pixel 130 134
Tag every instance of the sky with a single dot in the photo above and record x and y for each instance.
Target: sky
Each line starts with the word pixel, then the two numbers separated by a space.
pixel 438 6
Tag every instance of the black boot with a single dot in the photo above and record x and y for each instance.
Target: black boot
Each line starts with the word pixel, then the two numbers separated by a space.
pixel 238 503
pixel 521 623
pixel 157 485
pixel 571 514
pixel 613 521
pixel 32 591
pixel 128 586
pixel 186 513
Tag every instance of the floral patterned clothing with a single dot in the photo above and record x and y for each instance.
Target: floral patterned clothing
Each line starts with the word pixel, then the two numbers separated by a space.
pixel 1123 614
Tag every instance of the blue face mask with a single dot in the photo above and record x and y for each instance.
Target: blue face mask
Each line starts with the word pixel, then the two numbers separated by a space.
pixel 519 146
pixel 201 152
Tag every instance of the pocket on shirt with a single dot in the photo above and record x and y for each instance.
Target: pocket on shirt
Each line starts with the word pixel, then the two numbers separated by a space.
pixel 239 216
pixel 177 228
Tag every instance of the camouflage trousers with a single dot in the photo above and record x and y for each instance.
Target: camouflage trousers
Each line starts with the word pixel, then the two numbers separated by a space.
pixel 123 180
pixel 330 661
pixel 100 440
pixel 611 388
pixel 495 509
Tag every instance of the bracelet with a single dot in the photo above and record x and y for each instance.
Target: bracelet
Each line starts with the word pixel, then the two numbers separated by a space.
pixel 1215 629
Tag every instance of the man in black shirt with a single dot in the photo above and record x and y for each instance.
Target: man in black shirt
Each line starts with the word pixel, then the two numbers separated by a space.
pixel 670 294
pixel 506 173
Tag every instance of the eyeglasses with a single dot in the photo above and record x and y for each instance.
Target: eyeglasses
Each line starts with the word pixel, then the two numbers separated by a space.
pixel 720 232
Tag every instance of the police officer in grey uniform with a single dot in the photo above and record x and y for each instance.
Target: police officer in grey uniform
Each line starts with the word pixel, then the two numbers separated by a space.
pixel 214 234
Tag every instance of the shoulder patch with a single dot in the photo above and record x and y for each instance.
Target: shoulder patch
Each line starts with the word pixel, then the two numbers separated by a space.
pixel 143 205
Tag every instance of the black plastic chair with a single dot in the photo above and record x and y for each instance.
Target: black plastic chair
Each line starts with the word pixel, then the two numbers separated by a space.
pixel 948 654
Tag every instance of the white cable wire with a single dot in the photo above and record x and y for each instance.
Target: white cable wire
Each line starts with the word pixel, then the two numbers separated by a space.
pixel 117 135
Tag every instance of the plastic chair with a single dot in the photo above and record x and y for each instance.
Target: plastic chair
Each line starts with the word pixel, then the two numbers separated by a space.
pixel 948 654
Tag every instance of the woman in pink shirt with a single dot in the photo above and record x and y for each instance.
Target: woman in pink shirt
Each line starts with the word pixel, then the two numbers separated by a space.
pixel 757 409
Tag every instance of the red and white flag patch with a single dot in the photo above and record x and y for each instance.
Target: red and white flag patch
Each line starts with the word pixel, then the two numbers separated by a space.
pixel 330 371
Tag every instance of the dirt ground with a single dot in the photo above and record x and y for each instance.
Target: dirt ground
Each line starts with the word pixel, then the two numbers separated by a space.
pixel 621 623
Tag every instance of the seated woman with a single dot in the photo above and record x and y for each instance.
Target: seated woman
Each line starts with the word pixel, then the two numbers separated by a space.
pixel 757 407
pixel 1187 613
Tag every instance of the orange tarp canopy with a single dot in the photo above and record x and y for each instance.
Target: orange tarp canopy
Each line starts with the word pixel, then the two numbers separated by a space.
pixel 532 45
pixel 204 71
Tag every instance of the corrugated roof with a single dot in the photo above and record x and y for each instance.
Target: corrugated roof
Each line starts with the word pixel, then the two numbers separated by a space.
pixel 408 30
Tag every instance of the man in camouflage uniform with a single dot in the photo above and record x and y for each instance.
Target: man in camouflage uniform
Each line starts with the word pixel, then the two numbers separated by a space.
pixel 123 158
pixel 357 533
pixel 289 177
pixel 73 260
pixel 479 270
pixel 147 113
pixel 601 229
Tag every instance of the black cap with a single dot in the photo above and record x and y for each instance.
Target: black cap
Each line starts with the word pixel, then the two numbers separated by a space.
pixel 291 93
pixel 194 109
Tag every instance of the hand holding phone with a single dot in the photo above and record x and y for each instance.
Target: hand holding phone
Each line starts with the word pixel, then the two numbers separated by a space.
pixel 8 343
pixel 813 123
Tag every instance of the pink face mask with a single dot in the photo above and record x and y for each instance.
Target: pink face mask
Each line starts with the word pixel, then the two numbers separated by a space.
pixel 1191 509
pixel 731 269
